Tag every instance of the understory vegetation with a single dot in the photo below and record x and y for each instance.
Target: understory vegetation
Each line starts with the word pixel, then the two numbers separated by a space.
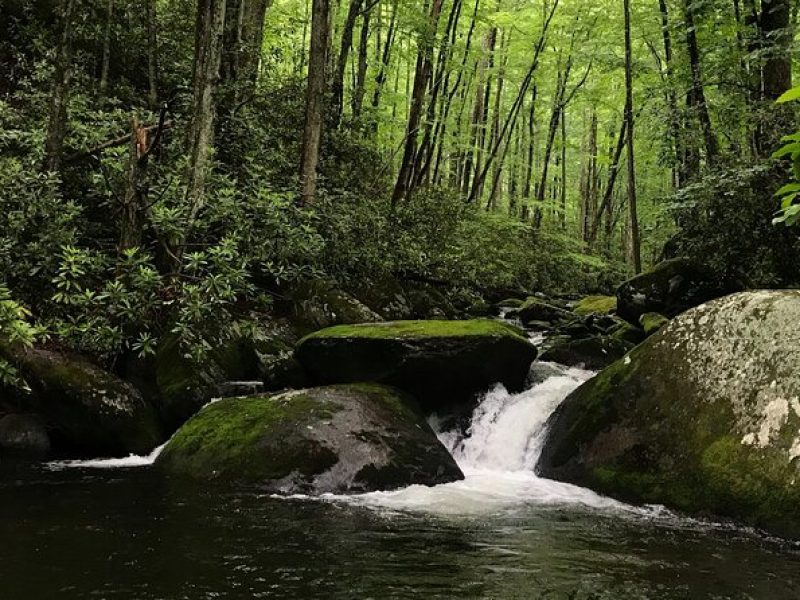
pixel 173 166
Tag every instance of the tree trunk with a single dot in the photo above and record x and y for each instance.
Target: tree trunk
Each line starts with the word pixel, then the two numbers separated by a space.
pixel 337 85
pixel 361 74
pixel 563 189
pixel 608 194
pixel 312 132
pixel 629 119
pixel 385 58
pixel 777 31
pixel 152 54
pixel 106 60
pixel 208 55
pixel 697 97
pixel 672 102
pixel 59 98
pixel 421 77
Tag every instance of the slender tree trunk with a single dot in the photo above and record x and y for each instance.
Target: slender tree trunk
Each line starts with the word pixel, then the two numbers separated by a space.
pixel 361 74
pixel 629 119
pixel 777 30
pixel 697 97
pixel 337 86
pixel 385 58
pixel 613 171
pixel 672 102
pixel 526 192
pixel 552 130
pixel 563 189
pixel 312 132
pixel 59 98
pixel 498 98
pixel 208 56
pixel 152 54
pixel 106 60
pixel 421 78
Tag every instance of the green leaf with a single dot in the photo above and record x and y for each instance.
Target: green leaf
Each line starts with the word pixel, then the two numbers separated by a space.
pixel 792 94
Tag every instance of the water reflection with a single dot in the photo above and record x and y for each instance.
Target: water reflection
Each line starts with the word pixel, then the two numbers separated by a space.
pixel 131 534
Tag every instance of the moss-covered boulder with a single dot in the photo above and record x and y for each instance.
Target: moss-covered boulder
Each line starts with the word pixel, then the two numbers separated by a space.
pixel 536 309
pixel 593 353
pixel 345 438
pixel 319 303
pixel 703 417
pixel 428 302
pixel 670 288
pixel 596 305
pixel 444 364
pixel 386 297
pixel 88 410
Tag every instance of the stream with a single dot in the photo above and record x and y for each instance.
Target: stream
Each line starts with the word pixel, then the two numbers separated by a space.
pixel 116 529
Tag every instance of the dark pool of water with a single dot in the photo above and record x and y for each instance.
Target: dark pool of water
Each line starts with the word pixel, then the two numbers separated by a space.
pixel 130 534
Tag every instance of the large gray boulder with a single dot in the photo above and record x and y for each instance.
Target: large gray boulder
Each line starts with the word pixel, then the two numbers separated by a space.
pixel 703 417
pixel 444 364
pixel 346 438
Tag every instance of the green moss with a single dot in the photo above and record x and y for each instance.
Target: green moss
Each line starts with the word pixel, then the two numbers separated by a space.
pixel 227 438
pixel 419 329
pixel 652 322
pixel 602 305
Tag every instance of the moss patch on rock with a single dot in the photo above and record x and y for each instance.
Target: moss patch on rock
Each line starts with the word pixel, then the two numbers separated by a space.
pixel 652 322
pixel 596 305
pixel 347 438
pixel 444 364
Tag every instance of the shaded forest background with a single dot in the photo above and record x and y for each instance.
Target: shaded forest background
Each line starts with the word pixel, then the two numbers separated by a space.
pixel 174 166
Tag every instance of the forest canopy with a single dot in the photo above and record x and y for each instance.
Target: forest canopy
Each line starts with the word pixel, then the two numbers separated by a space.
pixel 171 167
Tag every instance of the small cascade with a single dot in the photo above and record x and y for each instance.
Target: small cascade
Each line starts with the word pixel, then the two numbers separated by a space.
pixel 498 454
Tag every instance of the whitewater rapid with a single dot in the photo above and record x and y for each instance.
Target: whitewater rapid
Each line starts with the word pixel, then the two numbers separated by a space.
pixel 497 454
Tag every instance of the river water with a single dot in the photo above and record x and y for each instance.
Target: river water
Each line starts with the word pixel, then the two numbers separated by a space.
pixel 116 529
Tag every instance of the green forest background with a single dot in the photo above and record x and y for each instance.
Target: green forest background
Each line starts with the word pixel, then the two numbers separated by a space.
pixel 173 167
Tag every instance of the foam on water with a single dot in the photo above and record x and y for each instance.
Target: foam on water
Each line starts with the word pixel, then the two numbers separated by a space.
pixel 132 460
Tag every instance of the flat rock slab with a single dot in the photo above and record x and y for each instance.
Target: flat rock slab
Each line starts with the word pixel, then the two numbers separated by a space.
pixel 443 364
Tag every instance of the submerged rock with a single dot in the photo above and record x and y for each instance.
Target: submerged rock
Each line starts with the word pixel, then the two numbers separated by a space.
pixel 444 364
pixel 670 288
pixel 23 435
pixel 703 417
pixel 337 439
pixel 89 411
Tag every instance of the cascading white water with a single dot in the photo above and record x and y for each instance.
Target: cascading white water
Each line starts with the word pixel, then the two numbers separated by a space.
pixel 498 455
